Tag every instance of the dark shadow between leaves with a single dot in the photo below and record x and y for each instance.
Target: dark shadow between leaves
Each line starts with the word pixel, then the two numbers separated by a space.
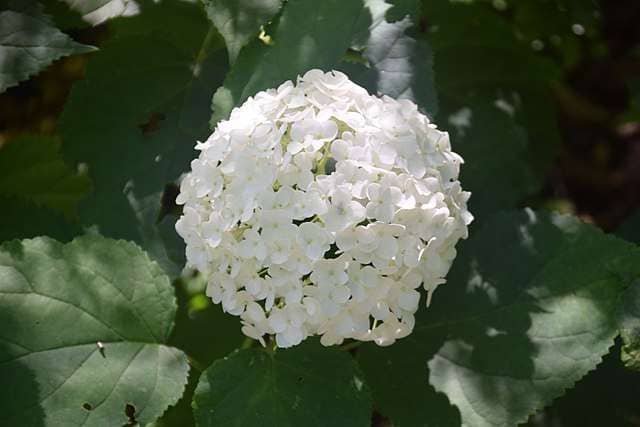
pixel 20 392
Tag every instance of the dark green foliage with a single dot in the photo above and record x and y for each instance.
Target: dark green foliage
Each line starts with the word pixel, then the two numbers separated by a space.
pixel 84 327
pixel 306 385
pixel 145 116
pixel 532 304
pixel 32 169
pixel 532 316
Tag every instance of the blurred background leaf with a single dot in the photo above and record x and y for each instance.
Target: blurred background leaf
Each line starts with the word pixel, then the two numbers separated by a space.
pixel 70 357
pixel 29 42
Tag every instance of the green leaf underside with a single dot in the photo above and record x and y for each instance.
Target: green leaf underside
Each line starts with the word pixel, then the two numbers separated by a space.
pixel 307 385
pixel 98 11
pixel 84 327
pixel 510 105
pixel 31 168
pixel 308 34
pixel 397 65
pixel 149 101
pixel 29 43
pixel 529 308
pixel 239 21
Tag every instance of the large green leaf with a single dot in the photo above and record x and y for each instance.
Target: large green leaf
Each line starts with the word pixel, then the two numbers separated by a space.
pixel 239 21
pixel 23 219
pixel 29 43
pixel 398 65
pixel 529 308
pixel 136 117
pixel 481 68
pixel 97 11
pixel 83 327
pixel 205 333
pixel 308 34
pixel 31 168
pixel 307 385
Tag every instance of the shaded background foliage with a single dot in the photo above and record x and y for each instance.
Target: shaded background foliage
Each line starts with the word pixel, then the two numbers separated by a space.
pixel 541 97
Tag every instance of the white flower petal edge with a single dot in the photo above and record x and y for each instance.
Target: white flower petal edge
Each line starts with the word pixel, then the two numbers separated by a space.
pixel 318 209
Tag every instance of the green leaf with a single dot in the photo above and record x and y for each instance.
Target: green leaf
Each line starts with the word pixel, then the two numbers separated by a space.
pixel 481 67
pixel 22 219
pixel 29 43
pixel 630 327
pixel 397 65
pixel 98 11
pixel 203 331
pixel 84 327
pixel 402 8
pixel 239 21
pixel 383 11
pixel 193 332
pixel 529 308
pixel 479 130
pixel 306 385
pixel 31 168
pixel 304 38
pixel 136 117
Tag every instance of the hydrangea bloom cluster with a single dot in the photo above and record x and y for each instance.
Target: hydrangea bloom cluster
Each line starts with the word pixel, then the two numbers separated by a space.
pixel 318 209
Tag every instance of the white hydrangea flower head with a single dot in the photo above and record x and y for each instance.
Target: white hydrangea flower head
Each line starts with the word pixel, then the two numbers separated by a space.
pixel 319 209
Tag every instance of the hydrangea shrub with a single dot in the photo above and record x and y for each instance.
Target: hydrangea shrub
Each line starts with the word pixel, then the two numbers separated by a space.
pixel 291 269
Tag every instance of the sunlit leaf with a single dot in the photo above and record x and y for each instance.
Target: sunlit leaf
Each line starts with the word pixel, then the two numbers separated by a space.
pixel 529 308
pixel 397 65
pixel 84 327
